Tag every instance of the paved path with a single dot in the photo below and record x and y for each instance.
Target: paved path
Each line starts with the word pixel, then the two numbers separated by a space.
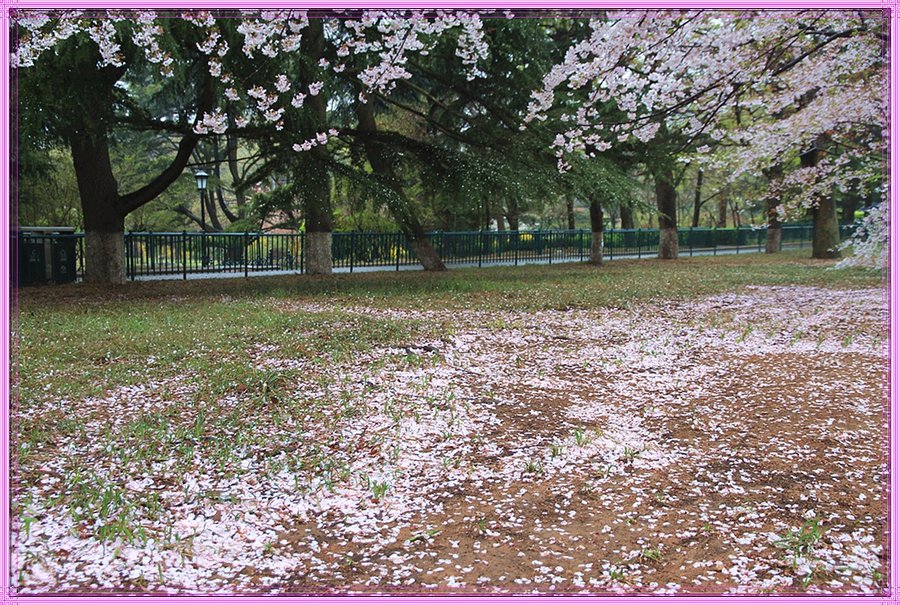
pixel 416 267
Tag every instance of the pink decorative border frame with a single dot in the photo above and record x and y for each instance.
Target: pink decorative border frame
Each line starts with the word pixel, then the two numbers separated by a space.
pixel 892 7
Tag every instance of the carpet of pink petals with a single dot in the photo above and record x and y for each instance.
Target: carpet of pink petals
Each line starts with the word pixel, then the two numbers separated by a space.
pixel 675 447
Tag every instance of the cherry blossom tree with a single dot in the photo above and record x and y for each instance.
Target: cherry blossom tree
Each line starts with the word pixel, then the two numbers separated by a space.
pixel 229 64
pixel 70 73
pixel 768 87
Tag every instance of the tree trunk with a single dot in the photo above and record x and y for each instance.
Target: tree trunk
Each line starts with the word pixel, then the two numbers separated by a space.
pixel 317 210
pixel 627 217
pixel 212 216
pixel 850 203
pixel 666 204
pixel 735 216
pixel 215 195
pixel 318 216
pixel 498 216
pixel 402 208
pixel 231 149
pixel 104 210
pixel 104 223
pixel 773 227
pixel 512 214
pixel 570 211
pixel 848 209
pixel 596 234
pixel 426 254
pixel 695 221
pixel 826 233
pixel 106 253
pixel 773 236
pixel 722 220
pixel 318 252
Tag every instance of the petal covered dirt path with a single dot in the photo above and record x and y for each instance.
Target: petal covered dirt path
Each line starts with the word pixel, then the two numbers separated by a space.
pixel 735 443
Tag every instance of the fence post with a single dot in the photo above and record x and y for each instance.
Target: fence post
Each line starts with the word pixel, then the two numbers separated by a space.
pixel 640 244
pixel 184 254
pixel 129 258
pixel 691 240
pixel 151 252
pixel 399 237
pixel 244 254
pixel 550 248
pixel 715 233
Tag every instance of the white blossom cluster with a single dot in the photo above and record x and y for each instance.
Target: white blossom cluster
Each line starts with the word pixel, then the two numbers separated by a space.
pixel 870 241
pixel 766 84
pixel 390 37
pixel 656 66
pixel 690 70
pixel 147 35
pixel 273 32
pixel 43 33
pixel 399 35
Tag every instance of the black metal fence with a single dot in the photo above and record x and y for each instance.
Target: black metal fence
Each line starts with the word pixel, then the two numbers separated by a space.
pixel 59 257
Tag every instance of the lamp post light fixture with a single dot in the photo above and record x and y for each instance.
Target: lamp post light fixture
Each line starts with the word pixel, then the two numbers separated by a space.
pixel 202 177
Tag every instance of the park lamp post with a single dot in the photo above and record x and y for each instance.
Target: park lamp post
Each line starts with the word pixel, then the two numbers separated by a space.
pixel 202 177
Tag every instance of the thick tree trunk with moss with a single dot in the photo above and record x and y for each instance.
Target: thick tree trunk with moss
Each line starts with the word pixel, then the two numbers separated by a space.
pixel 826 232
pixel 596 234
pixel 665 201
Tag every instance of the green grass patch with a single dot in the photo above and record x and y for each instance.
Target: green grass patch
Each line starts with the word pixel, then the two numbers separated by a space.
pixel 80 340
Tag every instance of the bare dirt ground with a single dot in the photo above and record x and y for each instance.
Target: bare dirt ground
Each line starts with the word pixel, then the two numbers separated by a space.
pixel 733 444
